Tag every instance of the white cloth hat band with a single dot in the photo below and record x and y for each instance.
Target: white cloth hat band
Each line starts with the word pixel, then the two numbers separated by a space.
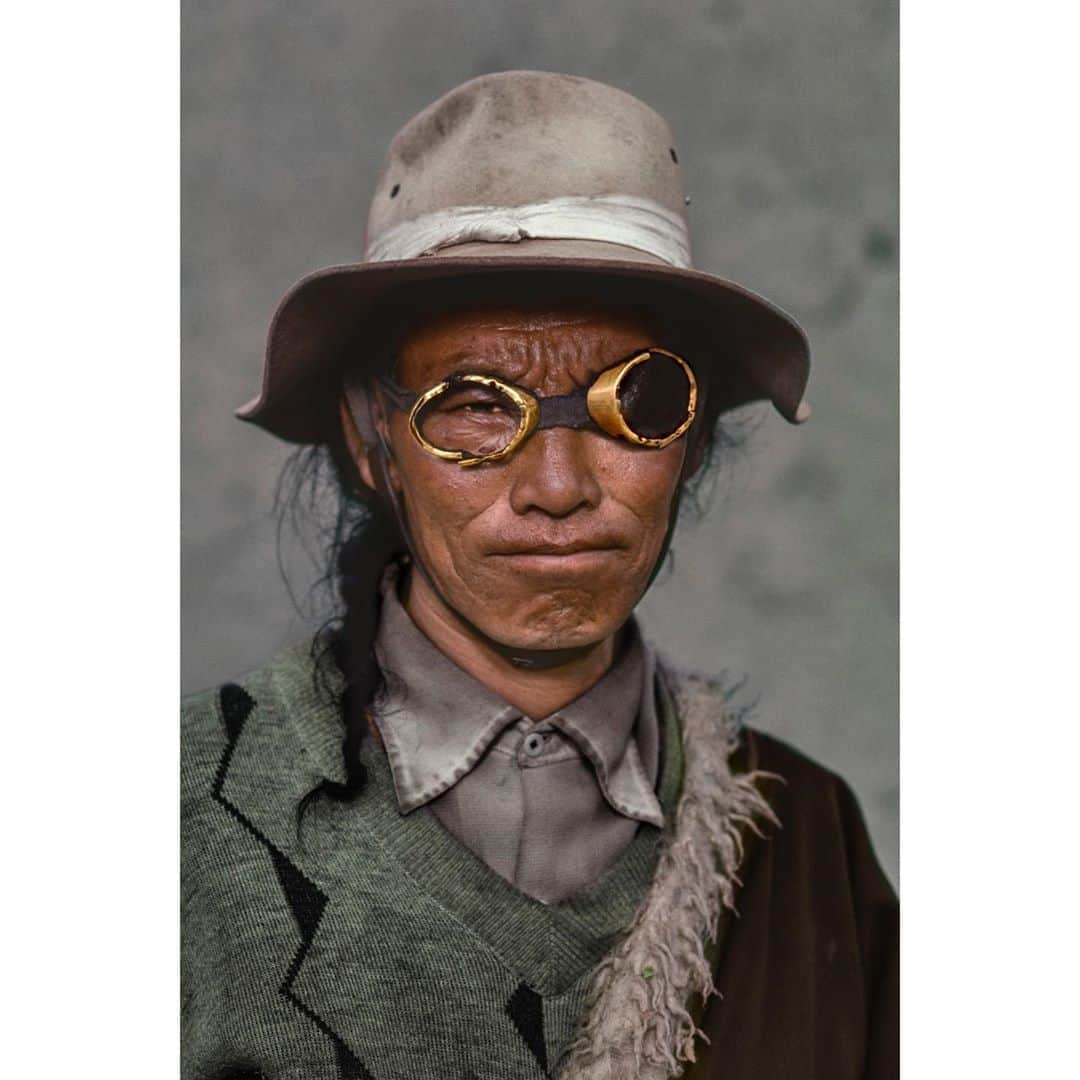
pixel 614 219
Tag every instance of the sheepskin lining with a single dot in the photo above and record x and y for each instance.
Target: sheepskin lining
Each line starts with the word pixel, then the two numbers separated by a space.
pixel 637 1020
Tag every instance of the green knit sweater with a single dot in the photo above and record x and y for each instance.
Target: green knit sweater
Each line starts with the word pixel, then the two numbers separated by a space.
pixel 372 944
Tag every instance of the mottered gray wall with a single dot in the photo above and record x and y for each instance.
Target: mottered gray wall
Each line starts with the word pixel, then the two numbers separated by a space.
pixel 785 115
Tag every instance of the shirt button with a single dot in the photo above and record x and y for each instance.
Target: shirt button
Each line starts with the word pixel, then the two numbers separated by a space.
pixel 534 744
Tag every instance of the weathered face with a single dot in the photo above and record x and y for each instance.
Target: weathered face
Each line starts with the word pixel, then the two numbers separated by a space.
pixel 552 547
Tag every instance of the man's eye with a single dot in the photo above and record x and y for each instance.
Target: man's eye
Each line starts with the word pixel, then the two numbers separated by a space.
pixel 474 408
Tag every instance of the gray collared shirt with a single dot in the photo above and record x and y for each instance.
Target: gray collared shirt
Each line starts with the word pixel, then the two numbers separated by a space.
pixel 548 804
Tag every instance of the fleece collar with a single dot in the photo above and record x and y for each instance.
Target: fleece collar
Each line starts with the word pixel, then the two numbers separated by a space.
pixel 638 1020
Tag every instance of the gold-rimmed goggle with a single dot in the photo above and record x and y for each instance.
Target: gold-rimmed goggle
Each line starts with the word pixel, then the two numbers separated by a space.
pixel 648 399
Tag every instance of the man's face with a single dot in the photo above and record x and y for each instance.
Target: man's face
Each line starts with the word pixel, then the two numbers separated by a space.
pixel 552 547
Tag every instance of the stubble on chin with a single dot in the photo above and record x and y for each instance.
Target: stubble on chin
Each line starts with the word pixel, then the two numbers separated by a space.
pixel 560 618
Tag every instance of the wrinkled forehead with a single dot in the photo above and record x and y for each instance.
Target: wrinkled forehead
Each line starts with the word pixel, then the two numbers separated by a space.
pixel 549 347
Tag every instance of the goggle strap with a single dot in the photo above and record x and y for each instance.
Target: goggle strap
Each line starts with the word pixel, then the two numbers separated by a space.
pixel 400 398
pixel 565 410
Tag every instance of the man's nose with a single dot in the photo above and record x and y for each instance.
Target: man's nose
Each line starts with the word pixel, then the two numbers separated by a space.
pixel 554 472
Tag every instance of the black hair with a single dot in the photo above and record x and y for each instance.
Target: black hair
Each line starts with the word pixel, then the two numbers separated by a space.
pixel 357 539
pixel 353 536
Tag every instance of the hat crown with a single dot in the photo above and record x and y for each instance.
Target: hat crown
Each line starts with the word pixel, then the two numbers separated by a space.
pixel 517 138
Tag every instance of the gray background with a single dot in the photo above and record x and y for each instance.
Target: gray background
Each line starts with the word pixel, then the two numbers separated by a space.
pixel 785 115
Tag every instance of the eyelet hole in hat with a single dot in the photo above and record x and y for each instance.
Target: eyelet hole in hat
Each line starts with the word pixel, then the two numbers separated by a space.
pixel 394 190
pixel 674 156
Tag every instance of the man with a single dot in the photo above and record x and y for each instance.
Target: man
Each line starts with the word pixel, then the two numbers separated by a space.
pixel 478 829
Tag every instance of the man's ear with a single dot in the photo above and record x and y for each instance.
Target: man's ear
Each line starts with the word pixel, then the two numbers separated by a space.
pixel 359 413
pixel 696 454
pixel 356 446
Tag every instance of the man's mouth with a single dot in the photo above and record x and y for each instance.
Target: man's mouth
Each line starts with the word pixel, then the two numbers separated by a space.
pixel 570 555
pixel 571 548
pixel 557 545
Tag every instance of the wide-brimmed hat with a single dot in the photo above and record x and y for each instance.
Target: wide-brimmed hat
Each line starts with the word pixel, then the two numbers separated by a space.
pixel 512 173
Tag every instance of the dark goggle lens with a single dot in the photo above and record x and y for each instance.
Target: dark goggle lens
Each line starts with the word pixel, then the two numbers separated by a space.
pixel 478 420
pixel 654 397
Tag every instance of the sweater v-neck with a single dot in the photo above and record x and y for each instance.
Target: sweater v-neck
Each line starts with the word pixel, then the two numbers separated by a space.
pixel 549 946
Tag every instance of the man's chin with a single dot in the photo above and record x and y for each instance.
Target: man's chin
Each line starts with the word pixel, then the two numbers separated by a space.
pixel 553 624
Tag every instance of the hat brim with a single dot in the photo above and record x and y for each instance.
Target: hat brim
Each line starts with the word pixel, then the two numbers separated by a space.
pixel 322 313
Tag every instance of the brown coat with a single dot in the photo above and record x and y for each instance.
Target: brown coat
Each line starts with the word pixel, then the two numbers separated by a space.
pixel 808 971
pixel 769 850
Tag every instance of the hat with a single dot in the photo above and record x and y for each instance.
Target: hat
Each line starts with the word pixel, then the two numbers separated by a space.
pixel 522 172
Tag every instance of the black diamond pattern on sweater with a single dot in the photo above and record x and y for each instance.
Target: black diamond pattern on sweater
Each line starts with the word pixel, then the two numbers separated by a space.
pixel 306 900
pixel 526 1009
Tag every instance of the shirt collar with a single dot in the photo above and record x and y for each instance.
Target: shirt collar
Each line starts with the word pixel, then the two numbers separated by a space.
pixel 436 721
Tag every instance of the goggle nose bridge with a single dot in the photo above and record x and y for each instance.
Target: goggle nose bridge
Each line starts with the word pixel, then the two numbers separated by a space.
pixel 566 410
